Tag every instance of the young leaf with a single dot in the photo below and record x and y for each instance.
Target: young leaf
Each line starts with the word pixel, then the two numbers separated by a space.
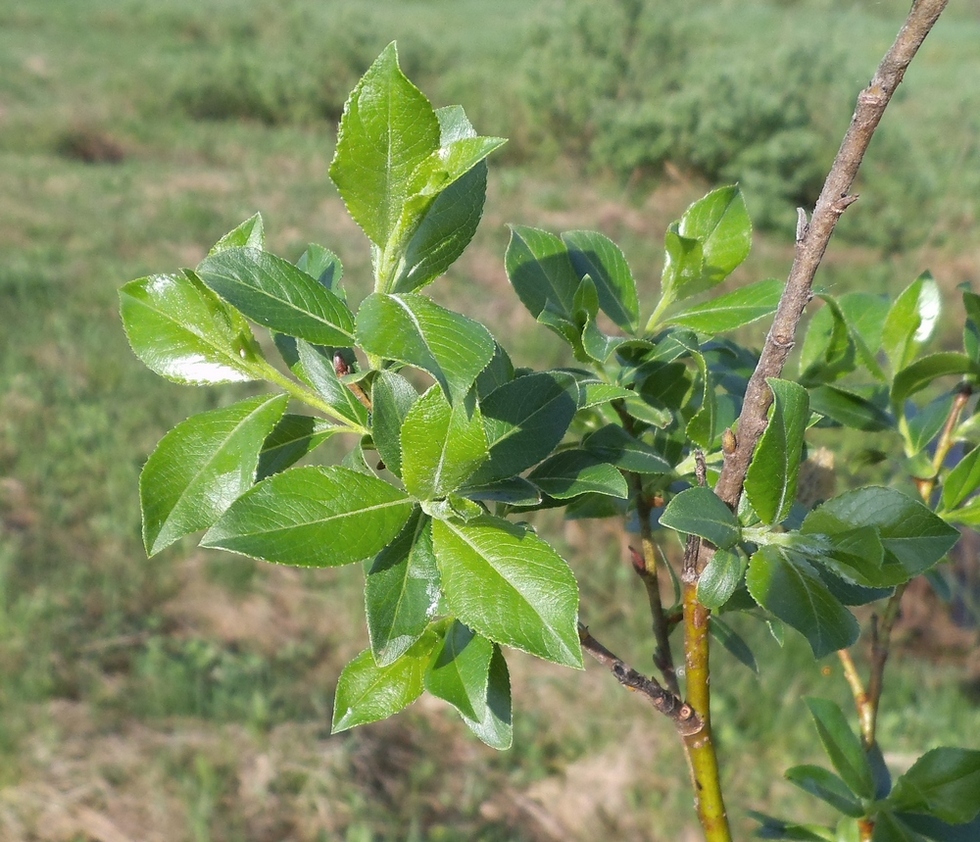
pixel 274 293
pixel 387 130
pixel 413 329
pixel 184 332
pixel 792 590
pixel 510 586
pixel 570 473
pixel 495 727
pixel 525 420
pixel 720 222
pixel 541 272
pixel 367 692
pixel 699 511
pixel 944 783
pixel 683 268
pixel 291 439
pixel 962 481
pixel 911 321
pixel 312 517
pixel 443 232
pixel 720 578
pixel 919 429
pixel 202 466
pixel 829 352
pixel 250 234
pixel 602 260
pixel 459 671
pixel 770 483
pixel 319 371
pixel 401 591
pixel 442 445
pixel 843 747
pixel 324 266
pixel 827 786
pixel 732 311
pixel 392 396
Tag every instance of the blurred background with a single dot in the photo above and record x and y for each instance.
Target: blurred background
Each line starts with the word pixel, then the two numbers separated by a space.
pixel 188 697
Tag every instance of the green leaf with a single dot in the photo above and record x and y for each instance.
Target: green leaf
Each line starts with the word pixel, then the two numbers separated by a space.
pixel 849 409
pixel 571 473
pixel 602 260
pixel 933 828
pixel 495 727
pixel 699 511
pixel 911 321
pixel 865 315
pixel 202 466
pixel 413 329
pixel 290 440
pixel 854 553
pixel 792 590
pixel 392 396
pixel 387 130
pixel 367 692
pixel 733 310
pixel 827 786
pixel 274 293
pixel 184 332
pixel 401 591
pixel 250 234
pixel 324 266
pixel 595 393
pixel 513 491
pixel 944 783
pixel 924 371
pixel 962 481
pixel 312 517
pixel 912 535
pixel 525 420
pixel 720 223
pixel 442 445
pixel 510 586
pixel 445 229
pixel 541 272
pixel 843 746
pixel 614 445
pixel 459 671
pixel 890 828
pixel 921 428
pixel 318 370
pixel 720 578
pixel 683 267
pixel 770 483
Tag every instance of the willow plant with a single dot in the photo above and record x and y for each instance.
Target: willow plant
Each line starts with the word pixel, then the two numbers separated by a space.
pixel 663 420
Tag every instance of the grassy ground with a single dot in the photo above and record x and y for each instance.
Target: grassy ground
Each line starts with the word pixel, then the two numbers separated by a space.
pixel 187 698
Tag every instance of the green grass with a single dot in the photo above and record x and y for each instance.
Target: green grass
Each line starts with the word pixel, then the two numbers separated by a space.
pixel 195 690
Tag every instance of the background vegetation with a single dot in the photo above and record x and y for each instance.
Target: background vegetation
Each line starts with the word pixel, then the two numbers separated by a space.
pixel 188 697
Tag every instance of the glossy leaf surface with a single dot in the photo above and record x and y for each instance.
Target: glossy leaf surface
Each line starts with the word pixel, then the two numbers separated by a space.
pixel 413 329
pixel 250 234
pixel 541 272
pixel 496 726
pixel 313 517
pixel 597 256
pixel 843 746
pixel 184 332
pixel 442 445
pixel 699 511
pixel 274 293
pixel 510 586
pixel 570 473
pixel 202 466
pixel 388 129
pixel 401 591
pixel 459 671
pixel 772 476
pixel 944 782
pixel 367 692
pixel 732 310
pixel 290 440
pixel 392 396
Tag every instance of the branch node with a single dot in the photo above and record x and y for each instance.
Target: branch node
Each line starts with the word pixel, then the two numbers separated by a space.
pixel 802 226
pixel 838 206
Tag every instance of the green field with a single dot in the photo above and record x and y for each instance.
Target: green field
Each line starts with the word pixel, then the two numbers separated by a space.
pixel 188 697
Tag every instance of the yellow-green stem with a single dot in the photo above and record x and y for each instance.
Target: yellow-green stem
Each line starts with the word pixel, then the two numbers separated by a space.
pixel 307 396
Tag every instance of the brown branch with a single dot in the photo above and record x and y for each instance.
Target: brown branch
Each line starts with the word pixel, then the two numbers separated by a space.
pixel 881 633
pixel 685 720
pixel 812 239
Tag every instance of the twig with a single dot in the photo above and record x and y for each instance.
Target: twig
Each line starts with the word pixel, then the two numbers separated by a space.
pixel 861 701
pixel 812 239
pixel 685 720
pixel 881 634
